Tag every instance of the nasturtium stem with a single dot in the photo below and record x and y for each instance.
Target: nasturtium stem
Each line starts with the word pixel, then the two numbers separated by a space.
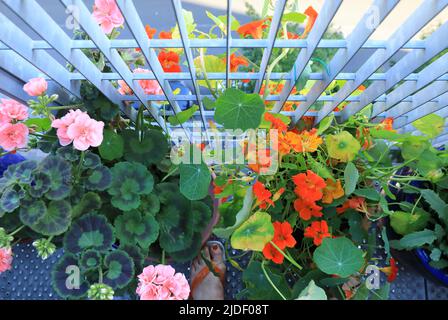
pixel 287 256
pixel 270 281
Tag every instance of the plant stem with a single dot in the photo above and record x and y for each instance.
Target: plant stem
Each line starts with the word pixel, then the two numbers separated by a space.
pixel 286 256
pixel 16 231
pixel 163 257
pixel 270 281
pixel 79 169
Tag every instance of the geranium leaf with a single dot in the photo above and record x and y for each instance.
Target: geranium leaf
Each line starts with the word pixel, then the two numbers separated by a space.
pixel 194 180
pixel 32 211
pixel 351 176
pixel 120 269
pixel 99 179
pixel 202 214
pixel 91 231
pixel 238 110
pixel 89 202
pixel 150 149
pixel 63 273
pixel 254 233
pixel 338 256
pixel 56 219
pixel 112 146
pixel 60 173
pixel 132 227
pixel 90 260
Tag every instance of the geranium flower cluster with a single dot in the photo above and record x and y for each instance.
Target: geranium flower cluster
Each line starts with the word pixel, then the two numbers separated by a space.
pixel 13 133
pixel 161 282
pixel 77 127
pixel 5 259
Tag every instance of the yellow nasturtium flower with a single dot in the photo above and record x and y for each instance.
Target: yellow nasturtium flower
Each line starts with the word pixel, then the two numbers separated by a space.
pixel 342 146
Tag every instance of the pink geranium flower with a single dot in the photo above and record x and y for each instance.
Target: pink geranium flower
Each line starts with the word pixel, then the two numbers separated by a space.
pixel 107 14
pixel 5 259
pixel 11 110
pixel 13 136
pixel 161 282
pixel 62 125
pixel 36 87
pixel 150 87
pixel 85 132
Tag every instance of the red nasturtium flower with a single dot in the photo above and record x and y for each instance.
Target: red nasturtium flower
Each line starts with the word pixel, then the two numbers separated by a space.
pixel 282 238
pixel 356 203
pixel 169 61
pixel 262 195
pixel 309 186
pixel 391 271
pixel 236 61
pixel 387 124
pixel 307 209
pixel 318 230
pixel 253 29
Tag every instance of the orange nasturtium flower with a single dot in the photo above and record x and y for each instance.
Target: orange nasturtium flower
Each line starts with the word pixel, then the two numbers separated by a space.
pixel 312 17
pixel 165 35
pixel 387 124
pixel 236 61
pixel 332 191
pixel 289 140
pixel 309 186
pixel 262 195
pixel 355 203
pixel 169 61
pixel 282 238
pixel 150 32
pixel 318 230
pixel 254 29
pixel 307 209
pixel 276 123
pixel 310 140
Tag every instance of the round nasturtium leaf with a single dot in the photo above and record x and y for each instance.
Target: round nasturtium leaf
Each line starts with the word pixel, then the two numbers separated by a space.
pixel 338 256
pixel 112 146
pixel 194 180
pixel 56 219
pixel 120 269
pixel 238 110
pixel 254 233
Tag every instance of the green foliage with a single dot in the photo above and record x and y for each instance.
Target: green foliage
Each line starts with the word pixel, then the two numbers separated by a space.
pixel 120 269
pixel 148 148
pixel 414 240
pixel 91 231
pixel 90 260
pixel 60 173
pixel 338 256
pixel 56 220
pixel 238 110
pixel 194 180
pixel 63 273
pixel 183 116
pixel 99 179
pixel 430 125
pixel 89 202
pixel 351 176
pixel 133 227
pixel 254 233
pixel 130 180
pixel 112 146
pixel 405 222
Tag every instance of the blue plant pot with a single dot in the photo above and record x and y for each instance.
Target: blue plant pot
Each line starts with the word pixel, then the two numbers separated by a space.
pixel 8 160
pixel 439 274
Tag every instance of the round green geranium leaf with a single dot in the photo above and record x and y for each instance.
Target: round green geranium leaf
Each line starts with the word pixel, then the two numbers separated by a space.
pixel 338 256
pixel 254 233
pixel 60 173
pixel 342 146
pixel 194 180
pixel 40 184
pixel 91 160
pixel 21 172
pixel 191 251
pixel 238 110
pixel 67 280
pixel 89 202
pixel 99 179
pixel 120 269
pixel 132 227
pixel 10 199
pixel 150 204
pixel 112 146
pixel 130 180
pixel 91 231
pixel 68 153
pixel 202 214
pixel 90 260
pixel 150 149
pixel 31 211
pixel 56 219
